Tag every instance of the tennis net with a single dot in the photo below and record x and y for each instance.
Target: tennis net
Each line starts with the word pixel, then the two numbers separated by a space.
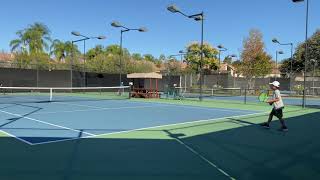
pixel 61 94
pixel 195 92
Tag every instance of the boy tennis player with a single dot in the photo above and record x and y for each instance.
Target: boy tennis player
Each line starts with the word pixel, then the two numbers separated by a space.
pixel 278 106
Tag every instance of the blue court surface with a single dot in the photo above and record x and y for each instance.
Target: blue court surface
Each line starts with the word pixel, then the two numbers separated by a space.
pixel 39 123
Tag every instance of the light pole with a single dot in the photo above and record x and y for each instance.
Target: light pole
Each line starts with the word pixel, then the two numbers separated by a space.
pixel 75 33
pixel 124 29
pixel 196 17
pixel 313 74
pixel 277 69
pixel 274 40
pixel 306 50
pixel 221 48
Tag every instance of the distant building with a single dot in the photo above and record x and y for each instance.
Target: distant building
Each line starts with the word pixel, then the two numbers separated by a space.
pixel 227 68
pixel 5 57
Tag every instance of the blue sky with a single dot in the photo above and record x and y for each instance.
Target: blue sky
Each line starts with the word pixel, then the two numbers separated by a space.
pixel 227 22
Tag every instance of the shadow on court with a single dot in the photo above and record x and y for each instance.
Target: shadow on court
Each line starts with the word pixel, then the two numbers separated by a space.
pixel 248 152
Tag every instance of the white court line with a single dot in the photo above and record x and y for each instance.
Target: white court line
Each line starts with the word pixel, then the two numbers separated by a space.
pixel 80 105
pixel 100 109
pixel 11 135
pixel 153 127
pixel 32 119
pixel 184 123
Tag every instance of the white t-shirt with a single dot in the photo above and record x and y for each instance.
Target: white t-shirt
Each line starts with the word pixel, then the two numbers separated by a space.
pixel 277 95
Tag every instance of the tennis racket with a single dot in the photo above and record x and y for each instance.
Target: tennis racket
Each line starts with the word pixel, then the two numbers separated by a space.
pixel 263 97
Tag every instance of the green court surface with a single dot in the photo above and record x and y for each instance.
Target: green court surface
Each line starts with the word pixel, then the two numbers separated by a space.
pixel 227 148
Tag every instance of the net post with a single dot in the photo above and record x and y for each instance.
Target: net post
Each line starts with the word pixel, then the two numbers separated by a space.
pixel 50 95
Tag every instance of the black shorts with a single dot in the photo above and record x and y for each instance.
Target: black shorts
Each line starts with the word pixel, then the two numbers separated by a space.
pixel 277 113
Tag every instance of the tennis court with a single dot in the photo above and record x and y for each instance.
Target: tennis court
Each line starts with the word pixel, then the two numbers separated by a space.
pixel 94 134
pixel 33 120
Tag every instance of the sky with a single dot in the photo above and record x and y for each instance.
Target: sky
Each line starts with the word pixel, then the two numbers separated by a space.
pixel 227 22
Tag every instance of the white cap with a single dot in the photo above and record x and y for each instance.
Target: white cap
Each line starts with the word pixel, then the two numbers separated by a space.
pixel 275 83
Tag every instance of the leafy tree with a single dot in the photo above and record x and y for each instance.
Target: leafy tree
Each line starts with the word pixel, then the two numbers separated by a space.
pixel 193 57
pixel 149 57
pixel 173 67
pixel 24 60
pixel 96 51
pixel 21 60
pixel 255 62
pixel 140 67
pixel 299 56
pixel 40 60
pixel 115 51
pixel 137 56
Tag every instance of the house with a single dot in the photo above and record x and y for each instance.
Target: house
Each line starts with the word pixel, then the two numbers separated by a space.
pixel 5 57
pixel 227 68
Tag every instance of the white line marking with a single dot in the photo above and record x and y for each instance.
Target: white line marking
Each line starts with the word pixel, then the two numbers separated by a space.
pixel 184 123
pixel 100 109
pixel 80 105
pixel 11 135
pixel 32 119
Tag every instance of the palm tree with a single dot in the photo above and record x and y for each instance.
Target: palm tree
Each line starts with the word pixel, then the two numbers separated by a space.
pixel 58 49
pixel 36 37
pixel 19 43
pixel 62 49
pixel 39 37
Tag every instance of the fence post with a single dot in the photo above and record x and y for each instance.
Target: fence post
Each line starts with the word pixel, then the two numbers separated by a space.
pixel 245 96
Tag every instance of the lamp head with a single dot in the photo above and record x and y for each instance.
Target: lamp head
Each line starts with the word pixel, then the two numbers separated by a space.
pixel 220 46
pixel 173 9
pixel 116 24
pixel 198 18
pixel 143 29
pixel 297 1
pixel 75 33
pixel 101 37
pixel 275 40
